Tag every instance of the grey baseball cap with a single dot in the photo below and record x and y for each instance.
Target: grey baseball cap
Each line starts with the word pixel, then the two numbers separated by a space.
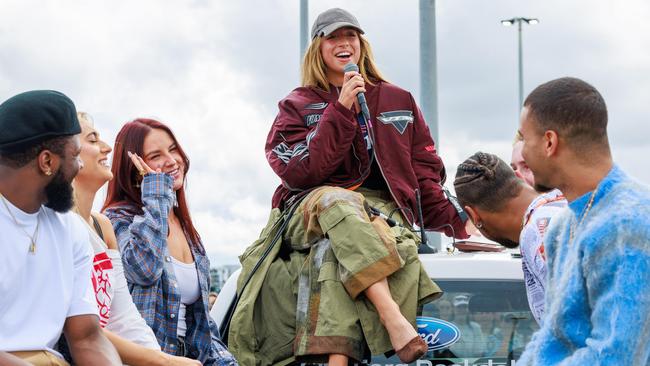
pixel 331 20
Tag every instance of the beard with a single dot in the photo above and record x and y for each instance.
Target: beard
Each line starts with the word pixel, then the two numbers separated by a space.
pixel 59 194
pixel 503 241
pixel 507 243
pixel 542 188
pixel 539 186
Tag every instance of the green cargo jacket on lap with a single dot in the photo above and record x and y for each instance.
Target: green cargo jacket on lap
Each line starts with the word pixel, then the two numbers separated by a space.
pixel 306 299
pixel 309 303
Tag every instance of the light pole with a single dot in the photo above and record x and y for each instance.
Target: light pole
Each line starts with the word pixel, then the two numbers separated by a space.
pixel 304 28
pixel 429 89
pixel 518 21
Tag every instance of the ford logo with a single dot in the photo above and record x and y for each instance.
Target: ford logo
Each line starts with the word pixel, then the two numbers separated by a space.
pixel 436 332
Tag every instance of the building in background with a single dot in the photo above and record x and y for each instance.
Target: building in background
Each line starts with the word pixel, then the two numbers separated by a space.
pixel 219 275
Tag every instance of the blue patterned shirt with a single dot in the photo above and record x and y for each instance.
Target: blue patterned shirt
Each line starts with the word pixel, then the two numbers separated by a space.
pixel 142 238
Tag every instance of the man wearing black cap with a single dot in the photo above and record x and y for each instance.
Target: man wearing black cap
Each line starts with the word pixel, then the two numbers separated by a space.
pixel 45 265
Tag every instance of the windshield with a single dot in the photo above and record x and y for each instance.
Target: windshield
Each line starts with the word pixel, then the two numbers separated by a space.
pixel 492 317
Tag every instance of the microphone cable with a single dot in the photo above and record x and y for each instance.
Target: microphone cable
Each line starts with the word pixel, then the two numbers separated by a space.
pixel 406 209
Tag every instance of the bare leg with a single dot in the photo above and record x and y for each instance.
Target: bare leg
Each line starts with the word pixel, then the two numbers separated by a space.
pixel 399 329
pixel 337 360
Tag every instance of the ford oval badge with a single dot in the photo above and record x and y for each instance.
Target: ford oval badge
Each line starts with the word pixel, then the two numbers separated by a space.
pixel 436 332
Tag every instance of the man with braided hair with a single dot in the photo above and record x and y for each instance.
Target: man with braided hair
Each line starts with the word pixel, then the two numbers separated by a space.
pixel 507 210
pixel 598 286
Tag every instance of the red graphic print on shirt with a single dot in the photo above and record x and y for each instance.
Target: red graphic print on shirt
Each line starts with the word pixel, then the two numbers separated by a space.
pixel 102 286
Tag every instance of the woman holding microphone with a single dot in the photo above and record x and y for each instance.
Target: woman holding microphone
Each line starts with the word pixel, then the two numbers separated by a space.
pixel 342 281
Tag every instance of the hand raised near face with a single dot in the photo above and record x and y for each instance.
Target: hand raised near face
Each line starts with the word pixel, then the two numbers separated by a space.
pixel 140 165
pixel 353 84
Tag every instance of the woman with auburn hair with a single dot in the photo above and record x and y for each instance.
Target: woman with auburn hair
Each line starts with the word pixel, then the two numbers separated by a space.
pixel 329 278
pixel 122 323
pixel 164 259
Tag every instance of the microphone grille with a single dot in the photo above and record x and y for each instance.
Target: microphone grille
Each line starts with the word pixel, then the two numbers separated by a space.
pixel 351 67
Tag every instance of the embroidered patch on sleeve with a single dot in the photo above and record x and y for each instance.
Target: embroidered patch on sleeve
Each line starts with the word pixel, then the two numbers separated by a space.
pixel 311 135
pixel 286 153
pixel 316 106
pixel 312 119
pixel 399 119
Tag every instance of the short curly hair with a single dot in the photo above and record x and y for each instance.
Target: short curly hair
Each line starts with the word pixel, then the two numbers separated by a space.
pixel 571 107
pixel 21 158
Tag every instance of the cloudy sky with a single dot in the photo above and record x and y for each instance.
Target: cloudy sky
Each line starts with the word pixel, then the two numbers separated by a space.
pixel 214 71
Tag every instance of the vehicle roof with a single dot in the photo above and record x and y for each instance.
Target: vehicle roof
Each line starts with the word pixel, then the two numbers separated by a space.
pixel 504 265
pixel 474 266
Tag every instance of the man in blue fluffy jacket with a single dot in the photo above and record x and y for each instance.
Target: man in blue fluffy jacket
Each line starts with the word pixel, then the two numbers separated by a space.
pixel 598 250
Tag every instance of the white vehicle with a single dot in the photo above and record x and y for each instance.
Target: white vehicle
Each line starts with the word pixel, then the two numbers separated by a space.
pixel 483 317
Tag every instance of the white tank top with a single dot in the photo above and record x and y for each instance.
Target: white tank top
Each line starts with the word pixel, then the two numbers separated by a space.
pixel 188 285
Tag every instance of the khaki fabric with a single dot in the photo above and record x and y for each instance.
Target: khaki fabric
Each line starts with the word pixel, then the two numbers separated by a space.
pixel 242 340
pixel 40 358
pixel 306 299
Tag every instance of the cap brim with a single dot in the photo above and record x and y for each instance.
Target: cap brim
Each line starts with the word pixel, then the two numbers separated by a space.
pixel 326 31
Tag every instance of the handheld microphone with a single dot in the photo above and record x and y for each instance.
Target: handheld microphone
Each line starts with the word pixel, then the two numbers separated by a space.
pixel 361 97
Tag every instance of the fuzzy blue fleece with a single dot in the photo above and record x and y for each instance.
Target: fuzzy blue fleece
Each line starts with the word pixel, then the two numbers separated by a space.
pixel 598 286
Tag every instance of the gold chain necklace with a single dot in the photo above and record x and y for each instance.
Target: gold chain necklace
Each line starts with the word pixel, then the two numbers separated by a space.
pixel 33 237
pixel 584 214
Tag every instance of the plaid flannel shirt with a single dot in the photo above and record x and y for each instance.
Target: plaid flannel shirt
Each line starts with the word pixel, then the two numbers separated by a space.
pixel 142 239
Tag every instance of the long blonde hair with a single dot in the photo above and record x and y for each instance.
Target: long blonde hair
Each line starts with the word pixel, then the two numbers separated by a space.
pixel 314 70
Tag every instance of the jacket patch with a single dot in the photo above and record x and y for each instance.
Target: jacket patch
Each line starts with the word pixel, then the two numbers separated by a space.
pixel 311 135
pixel 286 153
pixel 316 105
pixel 312 119
pixel 399 119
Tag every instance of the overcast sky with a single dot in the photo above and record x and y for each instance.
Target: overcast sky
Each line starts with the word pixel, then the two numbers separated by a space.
pixel 214 71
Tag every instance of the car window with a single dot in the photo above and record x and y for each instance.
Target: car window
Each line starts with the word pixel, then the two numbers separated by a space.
pixel 492 318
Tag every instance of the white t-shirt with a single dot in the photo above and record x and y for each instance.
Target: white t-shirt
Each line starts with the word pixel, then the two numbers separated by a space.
pixel 102 275
pixel 38 291
pixel 117 312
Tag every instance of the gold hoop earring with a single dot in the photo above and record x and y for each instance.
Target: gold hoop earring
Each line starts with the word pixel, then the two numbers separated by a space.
pixel 479 225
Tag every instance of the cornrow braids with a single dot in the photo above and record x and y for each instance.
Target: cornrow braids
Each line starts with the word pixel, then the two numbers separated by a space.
pixel 485 181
